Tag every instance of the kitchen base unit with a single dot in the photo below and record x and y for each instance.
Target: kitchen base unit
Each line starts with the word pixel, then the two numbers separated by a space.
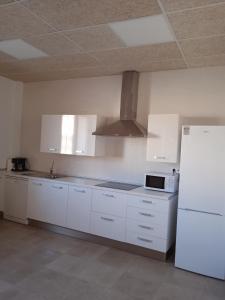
pixel 15 199
pixel 135 219
pixel 162 256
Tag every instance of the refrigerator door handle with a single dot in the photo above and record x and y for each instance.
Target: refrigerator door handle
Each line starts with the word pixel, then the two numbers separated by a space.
pixel 202 212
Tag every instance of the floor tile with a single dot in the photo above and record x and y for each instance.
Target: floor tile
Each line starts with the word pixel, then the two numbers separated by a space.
pixel 136 287
pixel 102 274
pixel 117 258
pixel 4 286
pixel 174 292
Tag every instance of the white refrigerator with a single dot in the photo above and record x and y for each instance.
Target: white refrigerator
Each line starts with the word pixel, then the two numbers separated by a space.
pixel 200 243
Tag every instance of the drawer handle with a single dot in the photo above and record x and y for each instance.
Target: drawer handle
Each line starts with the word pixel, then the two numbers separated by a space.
pixel 109 195
pixel 35 183
pixel 146 227
pixel 52 149
pixel 159 157
pixel 107 219
pixel 57 187
pixel 147 201
pixel 146 215
pixel 79 151
pixel 79 191
pixel 144 240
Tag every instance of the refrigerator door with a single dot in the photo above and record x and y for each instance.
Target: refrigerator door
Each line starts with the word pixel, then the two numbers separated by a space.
pixel 202 169
pixel 200 245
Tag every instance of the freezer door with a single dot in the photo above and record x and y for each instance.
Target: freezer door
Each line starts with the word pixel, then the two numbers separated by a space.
pixel 200 245
pixel 202 169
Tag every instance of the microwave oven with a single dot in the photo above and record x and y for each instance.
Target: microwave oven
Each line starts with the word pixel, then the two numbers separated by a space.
pixel 164 182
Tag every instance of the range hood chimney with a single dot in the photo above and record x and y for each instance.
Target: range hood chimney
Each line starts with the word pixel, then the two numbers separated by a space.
pixel 127 125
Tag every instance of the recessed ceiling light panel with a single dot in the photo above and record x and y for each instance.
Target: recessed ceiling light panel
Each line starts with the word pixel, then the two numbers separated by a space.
pixel 143 31
pixel 20 49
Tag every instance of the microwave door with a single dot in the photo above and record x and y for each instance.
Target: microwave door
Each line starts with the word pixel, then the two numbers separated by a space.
pixel 155 182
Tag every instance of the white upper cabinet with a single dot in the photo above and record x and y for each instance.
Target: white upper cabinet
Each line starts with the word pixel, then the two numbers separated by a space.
pixel 71 134
pixel 51 128
pixel 163 143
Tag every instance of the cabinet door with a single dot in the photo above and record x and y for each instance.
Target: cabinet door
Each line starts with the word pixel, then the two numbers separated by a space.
pixel 37 192
pixel 56 203
pixel 51 133
pixel 15 204
pixel 163 138
pixel 78 208
pixel 84 140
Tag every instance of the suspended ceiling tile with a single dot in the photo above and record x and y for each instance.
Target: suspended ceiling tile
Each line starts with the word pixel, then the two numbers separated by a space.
pixel 70 14
pixel 139 55
pixel 204 46
pixel 53 44
pixel 17 21
pixel 173 5
pixel 95 38
pixel 200 22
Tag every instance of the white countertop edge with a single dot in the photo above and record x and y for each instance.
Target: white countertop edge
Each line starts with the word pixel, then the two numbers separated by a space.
pixel 91 183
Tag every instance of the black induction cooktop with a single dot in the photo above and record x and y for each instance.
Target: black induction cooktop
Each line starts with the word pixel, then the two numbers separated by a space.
pixel 118 185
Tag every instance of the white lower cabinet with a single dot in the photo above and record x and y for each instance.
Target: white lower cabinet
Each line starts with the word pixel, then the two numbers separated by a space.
pixel 47 202
pixel 79 208
pixel 15 199
pixel 140 220
pixel 108 226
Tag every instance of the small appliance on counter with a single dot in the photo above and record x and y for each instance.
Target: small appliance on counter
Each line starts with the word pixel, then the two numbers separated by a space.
pixel 19 164
pixel 164 182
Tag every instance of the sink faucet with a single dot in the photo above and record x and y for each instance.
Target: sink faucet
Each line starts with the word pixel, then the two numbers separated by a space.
pixel 52 168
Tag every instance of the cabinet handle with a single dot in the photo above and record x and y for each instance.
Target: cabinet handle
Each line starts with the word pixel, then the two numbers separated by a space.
pixel 57 187
pixel 79 151
pixel 144 240
pixel 52 149
pixel 107 219
pixel 109 195
pixel 159 157
pixel 147 201
pixel 35 183
pixel 146 227
pixel 79 191
pixel 146 215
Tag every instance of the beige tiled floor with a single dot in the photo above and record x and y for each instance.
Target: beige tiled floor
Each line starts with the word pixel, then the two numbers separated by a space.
pixel 40 265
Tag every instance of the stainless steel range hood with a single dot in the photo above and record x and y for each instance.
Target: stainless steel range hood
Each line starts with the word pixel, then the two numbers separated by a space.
pixel 127 125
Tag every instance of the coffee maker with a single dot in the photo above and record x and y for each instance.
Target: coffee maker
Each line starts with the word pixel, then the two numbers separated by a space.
pixel 19 164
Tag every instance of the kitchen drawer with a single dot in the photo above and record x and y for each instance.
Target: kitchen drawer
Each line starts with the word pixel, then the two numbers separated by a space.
pixel 149 203
pixel 109 202
pixel 108 226
pixel 146 215
pixel 146 229
pixel 145 241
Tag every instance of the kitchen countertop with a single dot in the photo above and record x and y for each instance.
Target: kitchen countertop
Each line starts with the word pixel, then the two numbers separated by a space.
pixel 91 182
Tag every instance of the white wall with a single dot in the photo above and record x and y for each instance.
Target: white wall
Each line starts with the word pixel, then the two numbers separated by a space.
pixel 11 96
pixel 198 95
